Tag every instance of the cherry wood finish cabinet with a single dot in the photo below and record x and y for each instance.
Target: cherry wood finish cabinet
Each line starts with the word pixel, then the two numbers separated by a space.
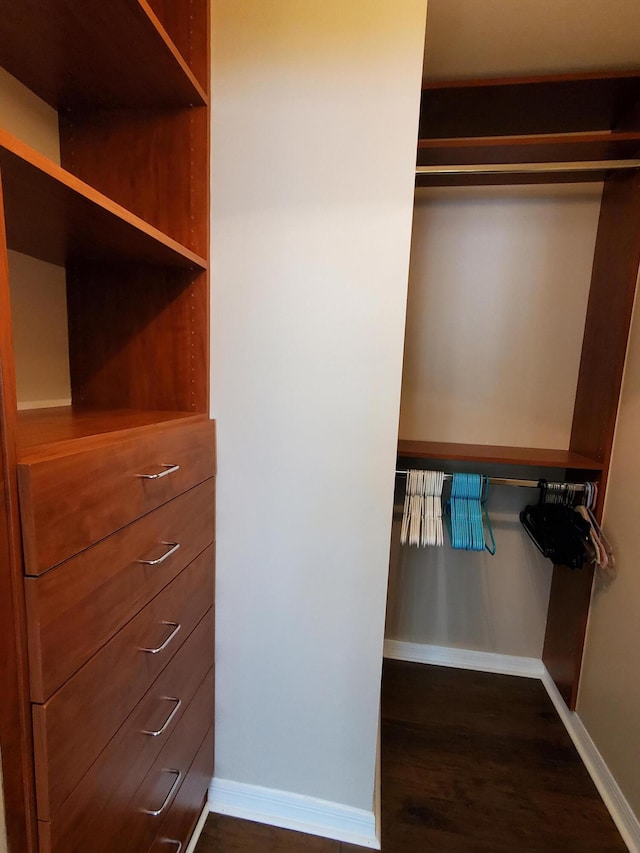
pixel 107 505
pixel 563 119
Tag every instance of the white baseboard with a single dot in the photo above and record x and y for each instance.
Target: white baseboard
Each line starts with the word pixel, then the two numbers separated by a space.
pixel 464 659
pixel 294 811
pixel 621 813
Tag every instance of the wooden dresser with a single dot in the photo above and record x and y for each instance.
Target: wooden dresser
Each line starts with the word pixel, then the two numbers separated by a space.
pixel 107 504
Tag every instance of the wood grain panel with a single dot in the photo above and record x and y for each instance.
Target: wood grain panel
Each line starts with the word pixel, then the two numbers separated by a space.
pixel 529 149
pixel 101 801
pixel 142 829
pixel 137 338
pixel 613 285
pixel 15 729
pixel 190 800
pixel 72 728
pixel 179 754
pixel 567 617
pixel 94 54
pixel 568 103
pixel 188 26
pixel 73 501
pixel 538 457
pixel 144 160
pixel 101 589
pixel 52 433
pixel 53 216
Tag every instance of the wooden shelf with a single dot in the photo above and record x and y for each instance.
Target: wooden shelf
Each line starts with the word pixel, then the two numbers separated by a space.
pixel 497 454
pixel 95 55
pixel 53 216
pixel 557 103
pixel 50 433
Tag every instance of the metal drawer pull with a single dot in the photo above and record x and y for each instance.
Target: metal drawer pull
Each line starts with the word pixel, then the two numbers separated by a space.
pixel 172 841
pixel 176 627
pixel 172 550
pixel 156 812
pixel 167 722
pixel 168 469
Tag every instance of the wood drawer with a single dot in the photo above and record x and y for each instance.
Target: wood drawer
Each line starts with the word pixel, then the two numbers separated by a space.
pixel 101 799
pixel 131 830
pixel 73 610
pixel 158 791
pixel 178 826
pixel 70 502
pixel 72 728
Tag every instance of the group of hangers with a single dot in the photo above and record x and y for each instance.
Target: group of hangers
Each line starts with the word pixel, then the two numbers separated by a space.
pixel 465 510
pixel 564 528
pixel 562 524
pixel 422 515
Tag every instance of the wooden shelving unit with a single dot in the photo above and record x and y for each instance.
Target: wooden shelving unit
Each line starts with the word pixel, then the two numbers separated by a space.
pixel 126 213
pixel 98 55
pixel 549 120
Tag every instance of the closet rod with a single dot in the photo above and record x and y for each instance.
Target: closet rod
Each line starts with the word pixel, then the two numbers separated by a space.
pixel 510 481
pixel 528 168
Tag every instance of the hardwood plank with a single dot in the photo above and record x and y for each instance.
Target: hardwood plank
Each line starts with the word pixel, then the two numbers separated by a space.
pixel 537 457
pixel 243 836
pixel 471 761
pixel 54 216
pixel 108 55
pixel 481 761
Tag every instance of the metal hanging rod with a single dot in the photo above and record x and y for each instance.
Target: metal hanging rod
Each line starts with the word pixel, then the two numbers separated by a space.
pixel 528 168
pixel 510 481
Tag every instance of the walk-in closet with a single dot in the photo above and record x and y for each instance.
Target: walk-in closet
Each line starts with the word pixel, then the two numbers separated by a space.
pixel 524 261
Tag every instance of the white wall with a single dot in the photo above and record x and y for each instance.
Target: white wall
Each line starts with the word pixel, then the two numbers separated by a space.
pixel 467 600
pixel 38 289
pixel 498 288
pixel 502 38
pixel 314 131
pixel 609 700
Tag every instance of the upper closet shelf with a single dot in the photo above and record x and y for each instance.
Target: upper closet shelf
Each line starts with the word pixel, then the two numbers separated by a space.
pixel 53 216
pixel 548 104
pixel 124 58
pixel 496 454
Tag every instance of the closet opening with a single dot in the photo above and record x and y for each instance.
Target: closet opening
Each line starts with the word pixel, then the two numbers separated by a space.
pixel 524 262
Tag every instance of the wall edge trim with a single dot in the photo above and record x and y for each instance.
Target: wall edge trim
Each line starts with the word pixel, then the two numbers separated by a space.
pixel 298 812
pixel 464 659
pixel 195 837
pixel 622 814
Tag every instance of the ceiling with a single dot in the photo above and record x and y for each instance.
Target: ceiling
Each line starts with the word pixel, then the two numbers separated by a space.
pixel 495 38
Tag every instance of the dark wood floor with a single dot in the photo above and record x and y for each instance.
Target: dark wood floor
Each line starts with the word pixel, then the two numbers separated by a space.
pixel 471 763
